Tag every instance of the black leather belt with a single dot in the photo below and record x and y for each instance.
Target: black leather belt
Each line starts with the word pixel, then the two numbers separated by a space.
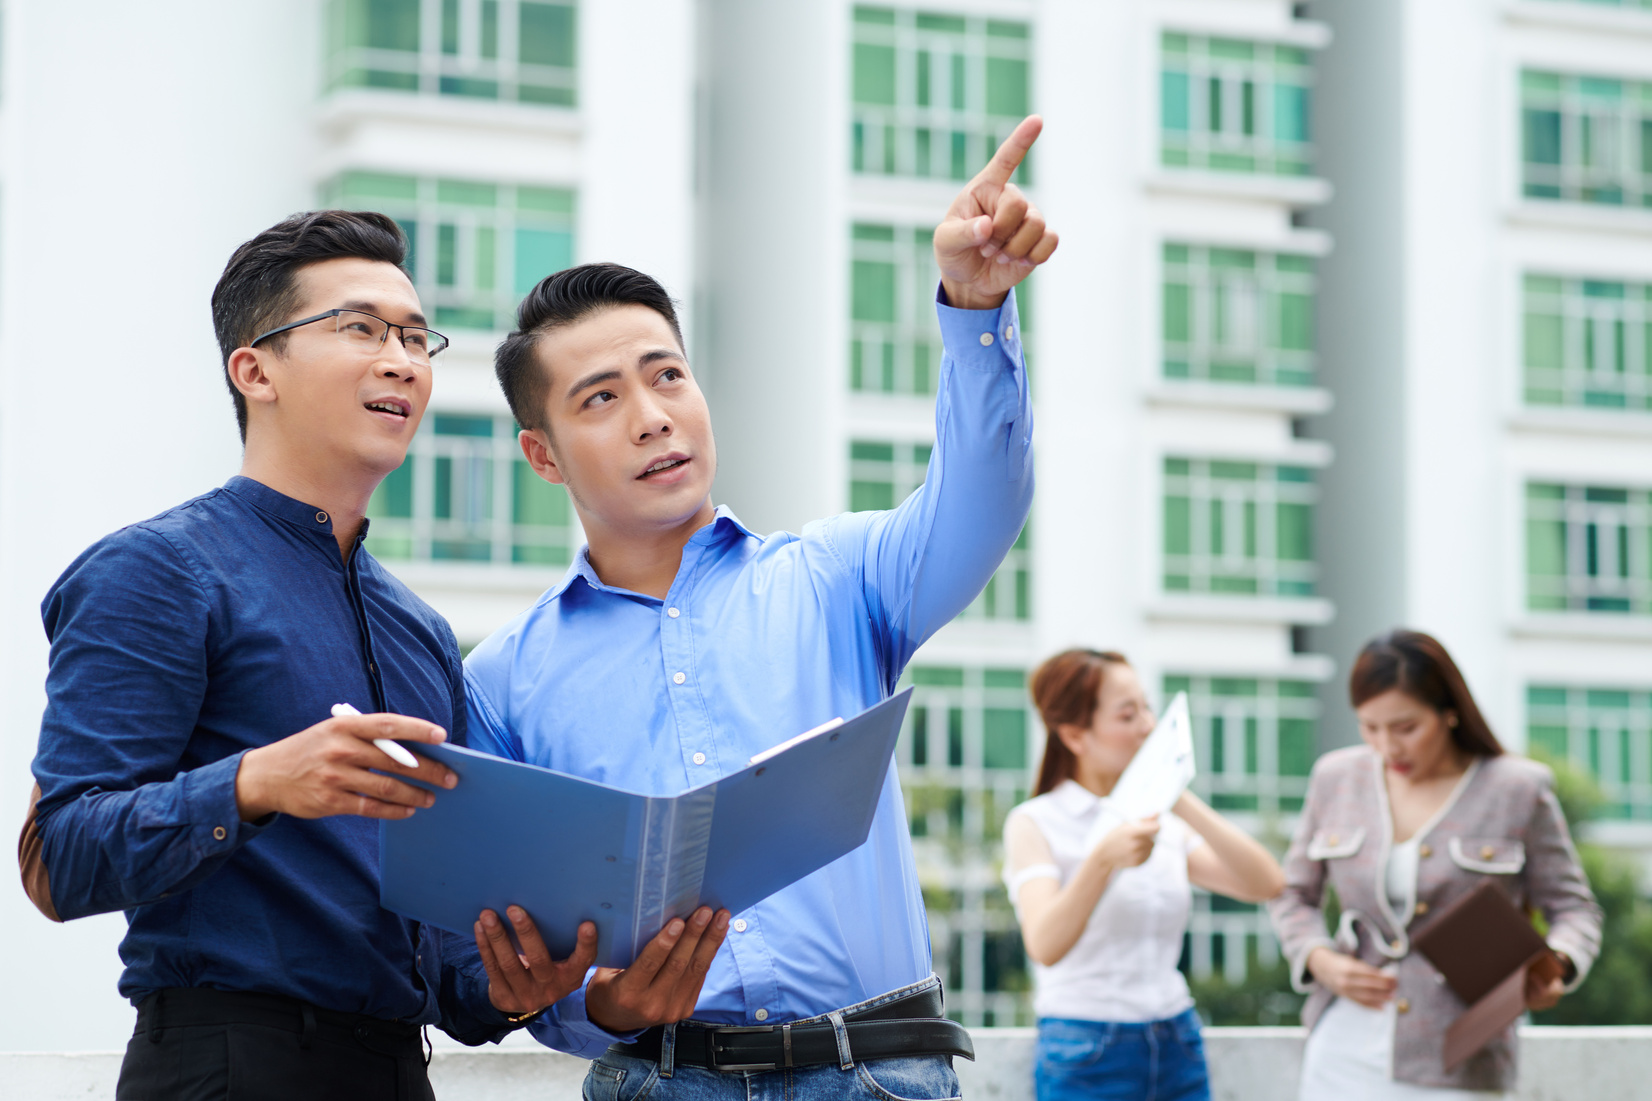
pixel 907 1026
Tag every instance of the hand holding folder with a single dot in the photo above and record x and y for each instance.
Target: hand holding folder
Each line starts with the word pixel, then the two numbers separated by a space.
pixel 1485 948
pixel 569 850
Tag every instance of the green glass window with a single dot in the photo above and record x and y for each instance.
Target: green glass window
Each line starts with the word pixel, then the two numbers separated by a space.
pixel 1232 106
pixel 1586 139
pixel 1586 342
pixel 465 494
pixel 1255 740
pixel 477 247
pixel 1238 527
pixel 1587 549
pixel 894 338
pixel 965 755
pixel 1606 732
pixel 883 474
pixel 933 95
pixel 518 50
pixel 1235 315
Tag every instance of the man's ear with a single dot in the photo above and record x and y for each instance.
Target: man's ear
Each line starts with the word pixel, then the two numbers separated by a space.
pixel 536 448
pixel 248 374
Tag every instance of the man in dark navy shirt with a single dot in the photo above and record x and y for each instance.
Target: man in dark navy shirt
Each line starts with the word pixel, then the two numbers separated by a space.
pixel 186 652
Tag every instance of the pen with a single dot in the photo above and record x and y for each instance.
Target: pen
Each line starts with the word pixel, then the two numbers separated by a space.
pixel 393 750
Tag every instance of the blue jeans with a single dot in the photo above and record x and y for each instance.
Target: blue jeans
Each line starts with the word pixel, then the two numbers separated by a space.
pixel 1109 1061
pixel 923 1078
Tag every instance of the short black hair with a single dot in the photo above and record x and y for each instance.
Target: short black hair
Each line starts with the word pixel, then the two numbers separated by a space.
pixel 259 288
pixel 568 296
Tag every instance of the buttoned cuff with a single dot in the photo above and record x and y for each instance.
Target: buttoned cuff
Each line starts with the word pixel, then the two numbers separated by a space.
pixel 566 1027
pixel 985 340
pixel 210 812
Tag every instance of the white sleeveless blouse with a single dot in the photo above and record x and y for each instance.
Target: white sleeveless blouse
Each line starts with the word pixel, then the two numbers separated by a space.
pixel 1123 967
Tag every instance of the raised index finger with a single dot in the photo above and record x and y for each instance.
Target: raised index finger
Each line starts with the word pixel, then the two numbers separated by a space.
pixel 1010 154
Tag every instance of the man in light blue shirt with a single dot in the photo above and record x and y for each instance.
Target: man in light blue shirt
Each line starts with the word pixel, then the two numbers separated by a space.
pixel 680 644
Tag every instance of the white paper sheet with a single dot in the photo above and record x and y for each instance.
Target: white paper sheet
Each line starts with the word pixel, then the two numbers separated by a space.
pixel 1155 777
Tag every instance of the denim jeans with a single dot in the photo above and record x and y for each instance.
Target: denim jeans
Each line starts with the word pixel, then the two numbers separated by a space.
pixel 1109 1061
pixel 923 1078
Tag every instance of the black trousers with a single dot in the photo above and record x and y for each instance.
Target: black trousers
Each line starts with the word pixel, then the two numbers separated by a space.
pixel 213 1045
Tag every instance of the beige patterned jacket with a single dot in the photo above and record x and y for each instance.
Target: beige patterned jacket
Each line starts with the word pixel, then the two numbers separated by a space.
pixel 1502 823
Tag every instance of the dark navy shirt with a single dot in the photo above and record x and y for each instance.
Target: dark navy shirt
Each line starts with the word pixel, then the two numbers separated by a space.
pixel 178 644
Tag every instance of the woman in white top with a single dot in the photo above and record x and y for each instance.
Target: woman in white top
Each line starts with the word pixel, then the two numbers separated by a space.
pixel 1103 925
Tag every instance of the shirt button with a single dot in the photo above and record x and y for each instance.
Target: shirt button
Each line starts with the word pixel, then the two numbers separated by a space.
pixel 1424 850
pixel 1402 1006
pixel 739 925
pixel 699 758
pixel 219 833
pixel 986 340
pixel 321 517
pixel 1009 332
pixel 678 678
pixel 1422 908
pixel 673 613
pixel 761 1014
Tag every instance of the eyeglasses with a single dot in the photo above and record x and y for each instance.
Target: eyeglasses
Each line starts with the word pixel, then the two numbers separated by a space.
pixel 367 332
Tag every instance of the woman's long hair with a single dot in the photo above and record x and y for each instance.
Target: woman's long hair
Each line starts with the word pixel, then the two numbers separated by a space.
pixel 1066 689
pixel 1419 666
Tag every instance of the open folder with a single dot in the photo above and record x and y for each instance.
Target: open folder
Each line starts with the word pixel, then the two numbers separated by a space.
pixel 1484 947
pixel 569 850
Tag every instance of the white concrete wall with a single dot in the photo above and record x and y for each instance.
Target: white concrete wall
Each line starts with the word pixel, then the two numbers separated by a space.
pixel 1361 523
pixel 774 81
pixel 134 161
pixel 1246 1064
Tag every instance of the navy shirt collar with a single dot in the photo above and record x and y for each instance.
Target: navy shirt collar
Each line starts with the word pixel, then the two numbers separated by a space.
pixel 300 515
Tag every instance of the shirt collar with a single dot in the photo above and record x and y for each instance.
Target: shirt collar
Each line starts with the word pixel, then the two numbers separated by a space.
pixel 1075 799
pixel 297 513
pixel 724 525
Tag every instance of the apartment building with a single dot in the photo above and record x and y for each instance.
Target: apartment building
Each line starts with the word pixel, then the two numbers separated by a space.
pixel 1272 244
pixel 1484 330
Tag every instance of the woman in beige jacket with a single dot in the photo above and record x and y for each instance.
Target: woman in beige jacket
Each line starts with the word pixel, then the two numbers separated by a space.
pixel 1402 826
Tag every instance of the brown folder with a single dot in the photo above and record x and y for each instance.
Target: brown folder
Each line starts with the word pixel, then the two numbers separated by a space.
pixel 1484 946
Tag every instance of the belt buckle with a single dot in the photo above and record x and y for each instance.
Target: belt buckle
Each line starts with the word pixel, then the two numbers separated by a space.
pixel 734 1068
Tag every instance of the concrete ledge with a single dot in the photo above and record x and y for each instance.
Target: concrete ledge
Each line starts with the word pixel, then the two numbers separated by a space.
pixel 1246 1064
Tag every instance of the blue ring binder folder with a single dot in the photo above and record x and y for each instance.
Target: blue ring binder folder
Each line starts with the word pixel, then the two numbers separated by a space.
pixel 569 850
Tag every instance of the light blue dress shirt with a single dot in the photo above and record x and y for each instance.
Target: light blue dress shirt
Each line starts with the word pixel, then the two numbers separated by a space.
pixel 759 639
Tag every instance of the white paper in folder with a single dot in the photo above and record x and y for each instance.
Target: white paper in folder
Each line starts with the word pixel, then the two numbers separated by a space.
pixel 1155 777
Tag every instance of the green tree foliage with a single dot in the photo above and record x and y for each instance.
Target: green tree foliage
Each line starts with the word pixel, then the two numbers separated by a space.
pixel 1618 990
pixel 1264 998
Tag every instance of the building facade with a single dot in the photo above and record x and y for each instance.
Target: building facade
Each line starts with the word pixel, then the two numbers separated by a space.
pixel 1323 351
pixel 1482 327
